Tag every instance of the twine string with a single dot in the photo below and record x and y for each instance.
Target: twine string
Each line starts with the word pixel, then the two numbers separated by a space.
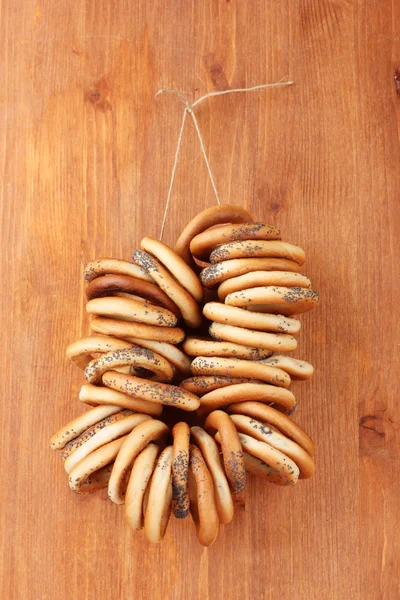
pixel 188 110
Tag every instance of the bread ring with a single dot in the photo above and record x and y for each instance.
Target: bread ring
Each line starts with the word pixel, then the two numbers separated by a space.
pixel 158 510
pixel 281 342
pixel 76 443
pixel 241 392
pixel 232 315
pixel 113 266
pixel 175 265
pixel 160 393
pixel 202 245
pixel 210 453
pixel 103 437
pixel 131 310
pixel 233 367
pixel 216 274
pixel 140 476
pixel 127 329
pixel 202 347
pixel 96 395
pixel 282 300
pixel 180 468
pixel 187 304
pixel 202 502
pixel 257 467
pixel 78 425
pixel 258 249
pixel 269 415
pixel 135 356
pixel 273 457
pixel 203 384
pixel 104 286
pixel 174 355
pixel 220 422
pixel 297 369
pixel 263 433
pixel 97 481
pixel 215 215
pixel 262 279
pixel 80 352
pixel 95 461
pixel 143 434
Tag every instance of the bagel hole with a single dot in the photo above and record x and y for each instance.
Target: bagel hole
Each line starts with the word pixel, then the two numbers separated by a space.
pixel 171 415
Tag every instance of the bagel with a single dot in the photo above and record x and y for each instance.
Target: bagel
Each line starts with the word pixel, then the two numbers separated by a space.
pixel 203 384
pixel 210 453
pixel 140 476
pixel 285 466
pixel 114 266
pixel 97 481
pixel 202 502
pixel 173 355
pixel 263 433
pixel 216 274
pixel 180 467
pixel 160 393
pixel 128 329
pixel 282 300
pixel 95 461
pixel 241 392
pixel 257 249
pixel 134 356
pixel 203 347
pixel 202 245
pixel 123 284
pixel 232 315
pixel 80 352
pixel 187 304
pixel 284 424
pixel 281 342
pixel 260 279
pixel 78 425
pixel 96 395
pixel 76 443
pixel 159 500
pixel 233 367
pixel 220 422
pixel 131 310
pixel 175 265
pixel 134 443
pixel 257 467
pixel 297 369
pixel 102 437
pixel 215 215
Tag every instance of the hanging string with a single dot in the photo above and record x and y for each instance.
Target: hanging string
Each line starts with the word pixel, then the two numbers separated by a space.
pixel 189 110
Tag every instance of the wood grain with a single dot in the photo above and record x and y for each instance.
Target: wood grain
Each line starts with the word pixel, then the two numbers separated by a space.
pixel 86 154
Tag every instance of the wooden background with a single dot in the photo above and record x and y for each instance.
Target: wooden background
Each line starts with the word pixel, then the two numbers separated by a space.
pixel 86 155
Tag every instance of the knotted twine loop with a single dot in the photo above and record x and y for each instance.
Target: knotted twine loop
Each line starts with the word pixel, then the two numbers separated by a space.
pixel 189 110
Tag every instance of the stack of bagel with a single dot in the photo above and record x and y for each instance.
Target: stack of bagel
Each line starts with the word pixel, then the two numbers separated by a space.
pixel 137 361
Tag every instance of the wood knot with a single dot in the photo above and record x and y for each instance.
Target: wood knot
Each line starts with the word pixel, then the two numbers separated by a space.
pixel 99 95
pixel 377 435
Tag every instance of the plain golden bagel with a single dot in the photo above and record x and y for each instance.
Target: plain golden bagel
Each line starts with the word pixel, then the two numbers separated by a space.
pixel 131 310
pixel 180 470
pixel 139 479
pixel 232 367
pixel 113 266
pixel 123 284
pixel 203 244
pixel 210 453
pixel 208 347
pixel 202 501
pixel 175 265
pixel 186 303
pixel 216 274
pixel 240 317
pixel 95 395
pixel 128 329
pixel 215 215
pixel 262 279
pixel 281 300
pixel 80 352
pixel 158 510
pixel 160 393
pixel 257 249
pixel 274 342
pixel 242 392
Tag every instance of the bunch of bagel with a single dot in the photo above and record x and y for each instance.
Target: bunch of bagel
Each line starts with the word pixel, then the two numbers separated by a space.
pixel 235 289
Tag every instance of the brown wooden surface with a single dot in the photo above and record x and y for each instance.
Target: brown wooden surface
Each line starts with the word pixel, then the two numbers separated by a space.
pixel 86 155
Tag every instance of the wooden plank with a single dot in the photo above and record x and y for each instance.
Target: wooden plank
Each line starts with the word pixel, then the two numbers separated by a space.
pixel 86 156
